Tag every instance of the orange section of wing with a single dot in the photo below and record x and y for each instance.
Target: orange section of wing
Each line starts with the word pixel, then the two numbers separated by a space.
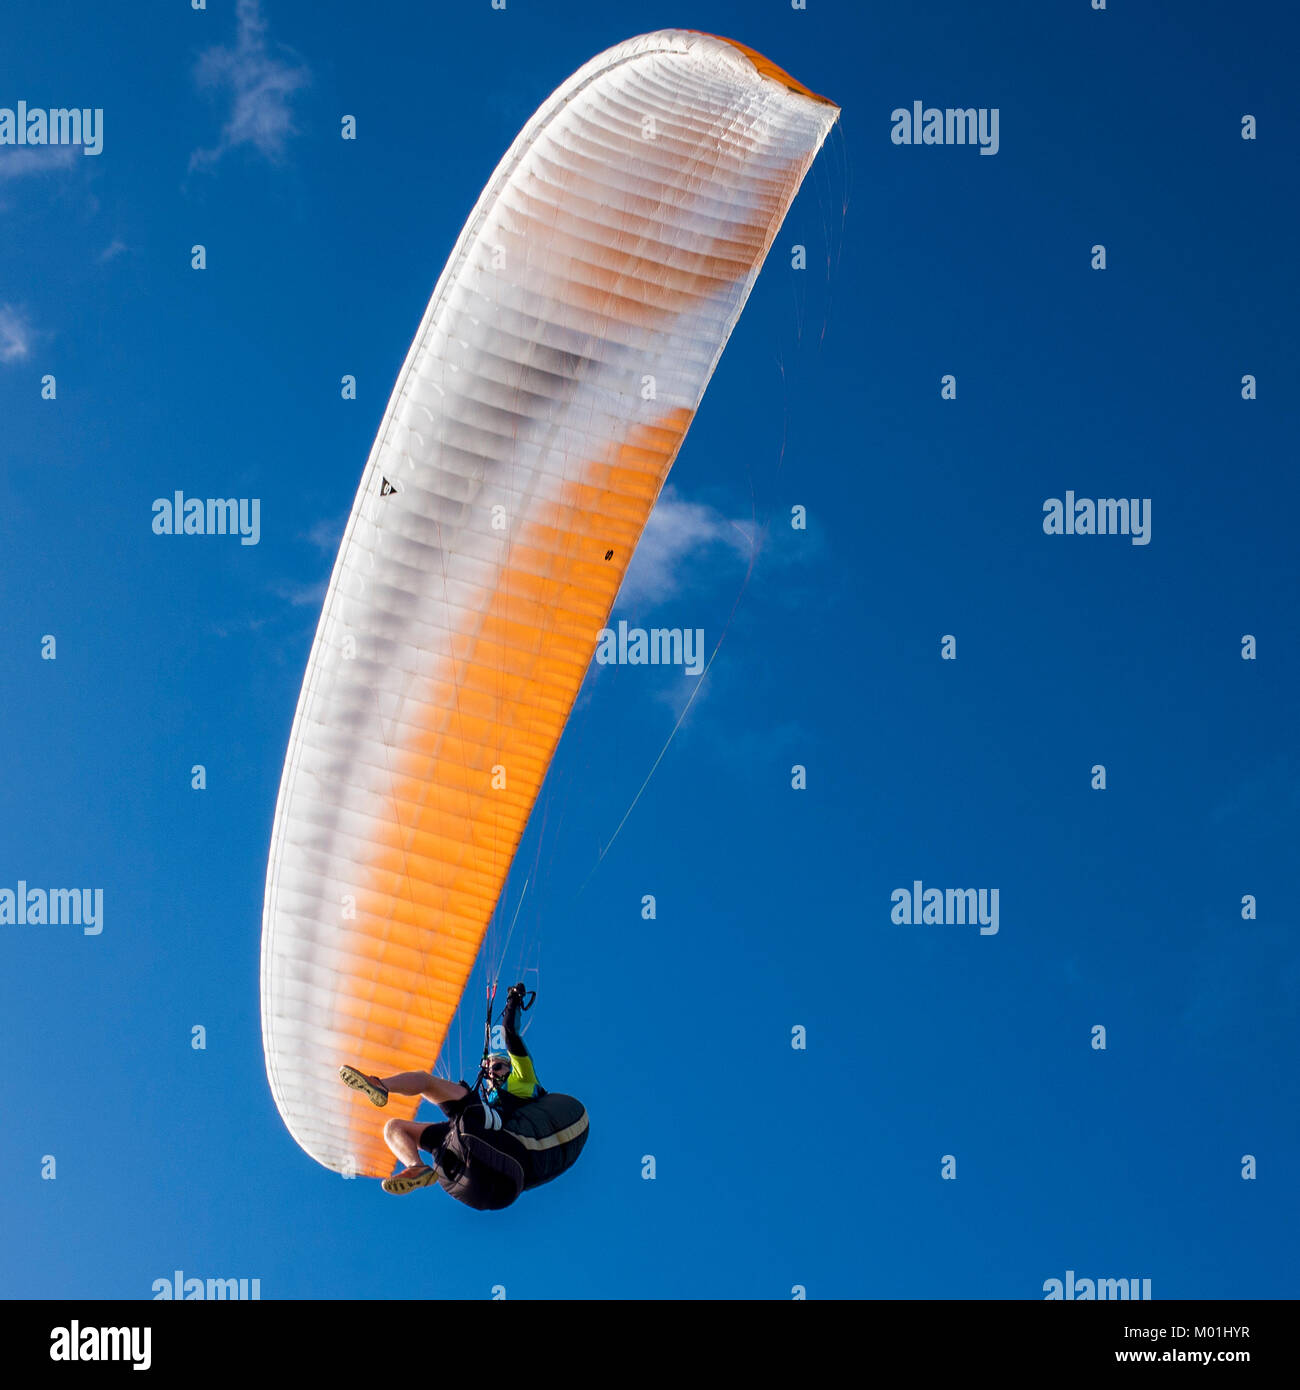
pixel 769 69
pixel 443 853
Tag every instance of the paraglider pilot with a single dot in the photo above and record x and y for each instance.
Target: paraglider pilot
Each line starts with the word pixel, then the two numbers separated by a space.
pixel 509 1081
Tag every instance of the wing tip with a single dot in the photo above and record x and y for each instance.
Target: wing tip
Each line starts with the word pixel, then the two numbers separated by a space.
pixel 767 68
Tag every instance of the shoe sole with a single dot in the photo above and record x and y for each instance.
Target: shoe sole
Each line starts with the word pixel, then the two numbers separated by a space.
pixel 401 1184
pixel 350 1076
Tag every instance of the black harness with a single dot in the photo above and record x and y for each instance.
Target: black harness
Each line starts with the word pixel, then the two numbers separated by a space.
pixel 479 1171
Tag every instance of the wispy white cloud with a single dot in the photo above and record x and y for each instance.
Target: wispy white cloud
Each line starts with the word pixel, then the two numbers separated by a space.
pixel 113 250
pixel 303 595
pixel 237 627
pixel 15 334
pixel 325 535
pixel 35 159
pixel 260 79
pixel 675 538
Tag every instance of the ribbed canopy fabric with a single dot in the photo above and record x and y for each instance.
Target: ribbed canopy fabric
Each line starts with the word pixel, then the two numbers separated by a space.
pixel 555 373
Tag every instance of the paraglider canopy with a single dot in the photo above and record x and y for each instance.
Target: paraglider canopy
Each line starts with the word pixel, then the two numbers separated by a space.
pixel 553 378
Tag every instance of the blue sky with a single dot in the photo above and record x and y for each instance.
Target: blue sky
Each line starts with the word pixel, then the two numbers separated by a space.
pixel 1121 907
